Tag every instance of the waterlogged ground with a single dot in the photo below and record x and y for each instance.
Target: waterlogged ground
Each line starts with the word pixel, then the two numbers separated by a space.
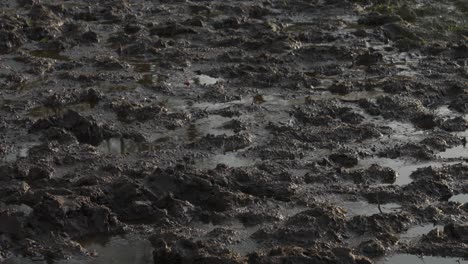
pixel 233 131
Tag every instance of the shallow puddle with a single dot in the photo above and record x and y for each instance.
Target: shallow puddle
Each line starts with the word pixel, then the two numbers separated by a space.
pixel 354 208
pixel 274 101
pixel 289 211
pixel 230 159
pixel 49 54
pixel 18 152
pixel 402 130
pixel 203 79
pixel 116 250
pixel 459 198
pixel 121 146
pixel 457 152
pixel 416 232
pixel 147 79
pixel 44 112
pixel 241 243
pixel 144 67
pixel 21 208
pixel 403 168
pixel 189 133
pixel 213 125
pixel 445 111
pixel 413 259
pixel 120 250
pixel 352 96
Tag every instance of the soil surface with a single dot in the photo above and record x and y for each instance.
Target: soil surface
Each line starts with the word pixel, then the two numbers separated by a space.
pixel 208 131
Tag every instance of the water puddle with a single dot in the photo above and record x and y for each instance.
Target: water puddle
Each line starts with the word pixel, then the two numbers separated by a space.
pixel 193 133
pixel 213 125
pixel 123 146
pixel 44 112
pixel 402 130
pixel 144 67
pixel 413 259
pixel 203 79
pixel 273 109
pixel 230 159
pixel 416 232
pixel 350 97
pixel 120 250
pixel 190 133
pixel 147 79
pixel 49 54
pixel 354 208
pixel 458 152
pixel 242 243
pixel 407 74
pixel 289 211
pixel 22 208
pixel 18 152
pixel 118 88
pixel 445 111
pixel 104 250
pixel 403 168
pixel 459 198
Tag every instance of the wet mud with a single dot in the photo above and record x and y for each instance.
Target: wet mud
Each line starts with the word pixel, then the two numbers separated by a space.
pixel 233 132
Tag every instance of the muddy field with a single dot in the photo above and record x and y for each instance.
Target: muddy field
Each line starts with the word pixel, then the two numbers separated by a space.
pixel 226 132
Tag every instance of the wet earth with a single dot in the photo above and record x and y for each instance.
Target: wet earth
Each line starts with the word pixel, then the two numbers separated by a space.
pixel 254 132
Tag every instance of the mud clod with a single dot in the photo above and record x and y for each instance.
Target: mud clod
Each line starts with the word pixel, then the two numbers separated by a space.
pixel 232 132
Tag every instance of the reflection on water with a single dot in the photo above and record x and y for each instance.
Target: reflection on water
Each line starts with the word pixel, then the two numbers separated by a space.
pixel 354 208
pixel 116 250
pixel 445 111
pixel 404 168
pixel 192 132
pixel 416 232
pixel 43 112
pixel 124 146
pixel 144 67
pixel 212 124
pixel 413 259
pixel 460 151
pixel 49 54
pixel 120 250
pixel 206 80
pixel 351 97
pixel 242 243
pixel 459 198
pixel 21 151
pixel 230 159
pixel 147 79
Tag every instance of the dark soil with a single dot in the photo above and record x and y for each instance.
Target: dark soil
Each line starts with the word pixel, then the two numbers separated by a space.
pixel 232 131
